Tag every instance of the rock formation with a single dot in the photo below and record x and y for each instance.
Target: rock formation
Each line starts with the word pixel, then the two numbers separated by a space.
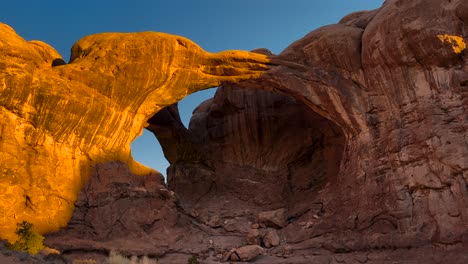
pixel 367 152
pixel 249 149
pixel 353 149
pixel 58 119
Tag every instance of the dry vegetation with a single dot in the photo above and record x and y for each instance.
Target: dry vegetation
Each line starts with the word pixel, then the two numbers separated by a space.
pixel 116 258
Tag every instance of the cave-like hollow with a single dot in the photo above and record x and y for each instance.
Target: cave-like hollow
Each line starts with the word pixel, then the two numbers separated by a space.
pixel 250 148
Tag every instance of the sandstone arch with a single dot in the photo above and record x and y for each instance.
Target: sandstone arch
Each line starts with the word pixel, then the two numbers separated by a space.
pixel 58 121
pixel 397 91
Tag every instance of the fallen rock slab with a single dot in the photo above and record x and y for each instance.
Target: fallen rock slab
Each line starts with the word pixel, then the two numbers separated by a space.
pixel 275 218
pixel 245 253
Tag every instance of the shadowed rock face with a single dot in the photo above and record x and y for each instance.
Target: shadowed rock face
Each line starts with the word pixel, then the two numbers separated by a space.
pixel 248 149
pixel 391 85
pixel 352 150
pixel 58 121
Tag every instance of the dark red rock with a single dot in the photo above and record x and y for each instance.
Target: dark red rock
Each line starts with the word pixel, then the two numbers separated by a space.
pixel 244 254
pixel 253 237
pixel 137 215
pixel 291 141
pixel 276 218
pixel 393 95
pixel 271 239
pixel 360 132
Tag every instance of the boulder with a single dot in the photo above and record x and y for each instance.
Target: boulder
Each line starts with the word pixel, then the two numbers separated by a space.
pixel 271 238
pixel 253 237
pixel 276 218
pixel 245 253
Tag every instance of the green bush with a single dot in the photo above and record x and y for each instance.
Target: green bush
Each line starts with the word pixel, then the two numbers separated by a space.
pixel 193 260
pixel 28 240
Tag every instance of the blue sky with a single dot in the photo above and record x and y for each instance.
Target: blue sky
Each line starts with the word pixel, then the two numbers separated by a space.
pixel 215 25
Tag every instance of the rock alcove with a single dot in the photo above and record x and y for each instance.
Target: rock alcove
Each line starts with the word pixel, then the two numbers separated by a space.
pixel 396 97
pixel 248 149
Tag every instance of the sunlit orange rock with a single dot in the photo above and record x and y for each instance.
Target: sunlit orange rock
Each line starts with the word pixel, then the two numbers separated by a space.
pixel 362 158
pixel 57 121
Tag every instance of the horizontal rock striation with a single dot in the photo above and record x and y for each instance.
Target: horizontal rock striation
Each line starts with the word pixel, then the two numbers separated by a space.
pixel 352 149
pixel 248 149
pixel 390 84
pixel 57 119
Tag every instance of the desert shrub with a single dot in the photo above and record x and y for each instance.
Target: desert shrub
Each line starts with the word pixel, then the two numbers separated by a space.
pixel 28 240
pixel 116 258
pixel 193 260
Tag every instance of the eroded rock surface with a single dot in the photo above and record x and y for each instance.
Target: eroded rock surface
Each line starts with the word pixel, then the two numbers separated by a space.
pixel 392 85
pixel 259 151
pixel 358 137
pixel 59 119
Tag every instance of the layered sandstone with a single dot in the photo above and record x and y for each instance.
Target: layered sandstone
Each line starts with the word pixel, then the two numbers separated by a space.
pixel 58 119
pixel 248 149
pixel 353 149
pixel 396 167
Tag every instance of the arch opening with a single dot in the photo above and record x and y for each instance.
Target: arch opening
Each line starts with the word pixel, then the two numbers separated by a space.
pixel 252 149
pixel 147 150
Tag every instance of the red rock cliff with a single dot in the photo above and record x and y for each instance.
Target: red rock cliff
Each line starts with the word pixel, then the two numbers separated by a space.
pixel 354 152
pixel 366 152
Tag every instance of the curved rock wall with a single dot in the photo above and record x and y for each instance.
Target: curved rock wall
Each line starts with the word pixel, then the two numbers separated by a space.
pixel 261 148
pixel 393 80
pixel 58 121
pixel 362 159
